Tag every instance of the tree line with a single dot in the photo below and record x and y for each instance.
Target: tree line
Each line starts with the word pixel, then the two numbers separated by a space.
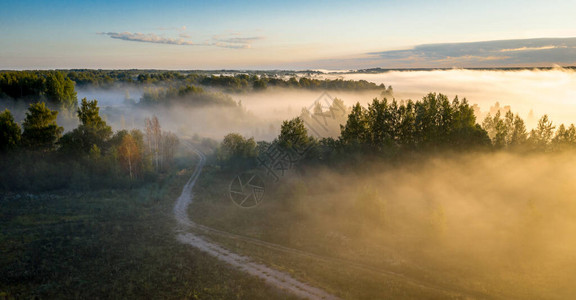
pixel 391 129
pixel 184 95
pixel 51 86
pixel 59 86
pixel 38 156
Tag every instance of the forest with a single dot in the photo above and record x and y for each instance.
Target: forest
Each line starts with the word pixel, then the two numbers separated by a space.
pixel 394 130
pixel 263 150
pixel 387 129
pixel 409 189
pixel 338 183
pixel 37 149
pixel 57 85
pixel 37 156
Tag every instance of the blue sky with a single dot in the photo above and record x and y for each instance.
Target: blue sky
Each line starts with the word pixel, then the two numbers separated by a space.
pixel 187 34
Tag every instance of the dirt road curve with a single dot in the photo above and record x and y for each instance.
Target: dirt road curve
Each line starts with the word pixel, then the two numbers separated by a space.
pixel 271 276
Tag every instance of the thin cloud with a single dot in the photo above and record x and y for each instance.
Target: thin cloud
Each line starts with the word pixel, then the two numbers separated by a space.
pixel 148 38
pixel 532 48
pixel 216 41
pixel 505 52
pixel 181 28
pixel 234 42
pixel 238 40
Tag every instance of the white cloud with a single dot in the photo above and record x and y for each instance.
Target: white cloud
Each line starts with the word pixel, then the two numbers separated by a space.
pixel 148 38
pixel 545 51
pixel 235 42
pixel 530 48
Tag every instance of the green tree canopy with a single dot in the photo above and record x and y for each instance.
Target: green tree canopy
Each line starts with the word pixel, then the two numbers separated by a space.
pixel 236 151
pixel 432 123
pixel 9 132
pixel 60 89
pixel 93 130
pixel 542 135
pixel 41 132
pixel 294 135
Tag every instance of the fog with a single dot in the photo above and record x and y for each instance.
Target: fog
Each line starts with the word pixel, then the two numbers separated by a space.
pixel 492 224
pixel 497 223
pixel 551 92
pixel 259 114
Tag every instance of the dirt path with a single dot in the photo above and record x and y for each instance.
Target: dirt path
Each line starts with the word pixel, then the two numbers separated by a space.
pixel 271 276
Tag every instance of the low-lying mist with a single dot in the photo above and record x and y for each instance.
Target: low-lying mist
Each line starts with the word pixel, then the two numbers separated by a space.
pixel 258 115
pixel 538 91
pixel 261 113
pixel 496 223
pixel 551 92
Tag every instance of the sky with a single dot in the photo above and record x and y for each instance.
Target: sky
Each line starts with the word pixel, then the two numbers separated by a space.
pixel 188 34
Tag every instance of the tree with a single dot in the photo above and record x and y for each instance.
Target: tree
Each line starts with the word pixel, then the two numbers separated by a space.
pixel 541 137
pixel 465 132
pixel 41 132
pixel 433 121
pixel 10 134
pixel 60 90
pixel 129 155
pixel 130 152
pixel 293 135
pixel 161 146
pixel 89 115
pixel 154 140
pixel 381 121
pixel 92 131
pixel 355 132
pixel 237 152
pixel 406 129
pixel 496 129
pixel 509 132
pixel 259 85
pixel 169 144
pixel 519 134
pixel 564 138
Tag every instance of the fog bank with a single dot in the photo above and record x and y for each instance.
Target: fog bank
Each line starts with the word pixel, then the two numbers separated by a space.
pixel 551 92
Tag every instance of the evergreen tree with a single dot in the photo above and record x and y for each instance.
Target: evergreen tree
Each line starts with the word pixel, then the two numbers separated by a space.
pixel 356 130
pixel 10 134
pixel 564 138
pixel 519 134
pixel 41 132
pixel 541 137
pixel 293 135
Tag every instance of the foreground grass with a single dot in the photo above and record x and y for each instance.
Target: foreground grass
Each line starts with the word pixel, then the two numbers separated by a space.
pixel 115 244
pixel 344 276
pixel 409 251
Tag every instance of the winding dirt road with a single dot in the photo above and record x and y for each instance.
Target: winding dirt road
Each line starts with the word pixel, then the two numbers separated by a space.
pixel 274 277
pixel 271 276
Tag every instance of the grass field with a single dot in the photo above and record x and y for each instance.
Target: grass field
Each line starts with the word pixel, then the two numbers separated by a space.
pixel 121 244
pixel 406 249
pixel 114 244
